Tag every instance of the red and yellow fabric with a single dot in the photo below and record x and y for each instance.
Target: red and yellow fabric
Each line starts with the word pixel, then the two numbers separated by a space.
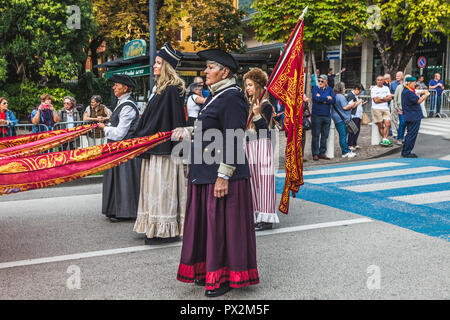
pixel 8 142
pixel 49 169
pixel 287 85
pixel 39 143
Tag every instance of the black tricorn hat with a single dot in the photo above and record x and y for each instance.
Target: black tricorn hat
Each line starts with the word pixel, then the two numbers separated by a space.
pixel 221 57
pixel 172 56
pixel 123 79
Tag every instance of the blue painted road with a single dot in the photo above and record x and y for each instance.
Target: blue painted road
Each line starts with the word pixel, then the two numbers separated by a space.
pixel 409 193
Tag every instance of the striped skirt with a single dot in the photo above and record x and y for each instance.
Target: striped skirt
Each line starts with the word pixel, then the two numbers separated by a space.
pixel 260 158
pixel 162 200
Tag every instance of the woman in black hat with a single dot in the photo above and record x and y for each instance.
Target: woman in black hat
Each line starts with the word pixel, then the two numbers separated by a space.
pixel 219 247
pixel 162 198
pixel 120 190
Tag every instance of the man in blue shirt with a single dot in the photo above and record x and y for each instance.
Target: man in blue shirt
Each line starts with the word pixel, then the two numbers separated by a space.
pixel 413 114
pixel 437 85
pixel 323 97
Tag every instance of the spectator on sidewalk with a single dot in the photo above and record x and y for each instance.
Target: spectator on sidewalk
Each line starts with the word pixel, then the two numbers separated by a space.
pixel 357 114
pixel 397 118
pixel 331 76
pixel 398 80
pixel 68 115
pixel 97 112
pixel 205 92
pixel 341 113
pixel 44 116
pixel 323 97
pixel 195 100
pixel 413 115
pixel 437 85
pixel 380 96
pixel 387 80
pixel 7 119
pixel 421 87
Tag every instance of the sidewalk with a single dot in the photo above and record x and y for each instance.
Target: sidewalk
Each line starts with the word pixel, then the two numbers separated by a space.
pixel 367 151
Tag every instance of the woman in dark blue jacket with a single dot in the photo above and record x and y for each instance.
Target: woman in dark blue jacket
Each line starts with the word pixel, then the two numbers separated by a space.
pixel 219 245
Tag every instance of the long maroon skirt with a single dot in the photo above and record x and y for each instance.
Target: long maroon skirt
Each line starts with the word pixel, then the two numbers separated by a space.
pixel 219 241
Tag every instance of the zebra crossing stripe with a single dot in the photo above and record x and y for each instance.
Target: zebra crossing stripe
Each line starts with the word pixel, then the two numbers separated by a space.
pixel 424 198
pixel 346 169
pixel 398 184
pixel 374 175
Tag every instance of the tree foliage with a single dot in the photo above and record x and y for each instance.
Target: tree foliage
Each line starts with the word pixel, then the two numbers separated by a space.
pixel 37 41
pixel 216 22
pixel 400 25
pixel 324 21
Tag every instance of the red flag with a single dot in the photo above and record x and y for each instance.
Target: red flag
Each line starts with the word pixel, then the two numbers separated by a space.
pixel 287 85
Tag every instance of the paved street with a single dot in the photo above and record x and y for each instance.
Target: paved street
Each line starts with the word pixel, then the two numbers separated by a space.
pixel 377 229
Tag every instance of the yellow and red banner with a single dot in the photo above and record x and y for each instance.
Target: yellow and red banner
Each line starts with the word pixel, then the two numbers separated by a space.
pixel 39 171
pixel 287 85
pixel 24 146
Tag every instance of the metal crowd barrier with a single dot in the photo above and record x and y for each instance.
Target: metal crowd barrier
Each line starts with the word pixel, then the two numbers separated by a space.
pixel 22 129
pixel 445 102
pixel 87 140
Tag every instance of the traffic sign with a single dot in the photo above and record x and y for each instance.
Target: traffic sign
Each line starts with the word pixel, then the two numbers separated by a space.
pixel 421 62
pixel 333 53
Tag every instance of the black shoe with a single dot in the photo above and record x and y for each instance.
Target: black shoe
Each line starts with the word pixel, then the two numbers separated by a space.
pixel 200 282
pixel 224 288
pixel 411 155
pixel 153 241
pixel 260 226
pixel 112 219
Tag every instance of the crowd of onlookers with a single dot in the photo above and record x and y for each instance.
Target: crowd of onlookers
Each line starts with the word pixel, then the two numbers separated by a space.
pixel 329 102
pixel 396 108
pixel 45 117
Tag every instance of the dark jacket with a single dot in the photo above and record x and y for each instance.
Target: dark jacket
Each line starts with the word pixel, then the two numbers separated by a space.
pixel 264 122
pixel 411 107
pixel 228 110
pixel 115 118
pixel 164 112
pixel 321 106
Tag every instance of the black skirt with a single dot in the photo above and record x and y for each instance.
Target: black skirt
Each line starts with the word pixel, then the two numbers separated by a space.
pixel 121 185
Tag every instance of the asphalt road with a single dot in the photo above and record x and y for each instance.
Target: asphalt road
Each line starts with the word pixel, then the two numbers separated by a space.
pixel 55 244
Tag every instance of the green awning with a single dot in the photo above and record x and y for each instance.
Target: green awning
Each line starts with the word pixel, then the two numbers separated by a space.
pixel 132 71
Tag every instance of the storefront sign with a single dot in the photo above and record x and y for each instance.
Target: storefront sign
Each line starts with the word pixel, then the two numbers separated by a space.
pixel 134 48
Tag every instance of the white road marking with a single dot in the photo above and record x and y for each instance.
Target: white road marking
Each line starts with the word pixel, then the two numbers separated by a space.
pixel 92 254
pixel 445 158
pixel 347 169
pixel 398 184
pixel 424 198
pixel 374 175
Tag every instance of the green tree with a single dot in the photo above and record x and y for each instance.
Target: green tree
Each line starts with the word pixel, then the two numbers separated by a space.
pixel 43 39
pixel 123 21
pixel 217 23
pixel 398 27
pixel 324 23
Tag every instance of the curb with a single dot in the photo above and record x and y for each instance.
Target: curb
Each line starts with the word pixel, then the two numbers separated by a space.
pixel 79 182
pixel 391 151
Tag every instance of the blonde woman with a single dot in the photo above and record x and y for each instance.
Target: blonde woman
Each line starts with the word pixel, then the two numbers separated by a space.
pixel 162 197
pixel 260 151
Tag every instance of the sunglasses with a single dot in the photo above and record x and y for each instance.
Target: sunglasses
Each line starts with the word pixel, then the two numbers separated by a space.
pixel 321 81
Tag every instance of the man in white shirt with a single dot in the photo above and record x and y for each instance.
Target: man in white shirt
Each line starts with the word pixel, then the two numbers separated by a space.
pixel 381 95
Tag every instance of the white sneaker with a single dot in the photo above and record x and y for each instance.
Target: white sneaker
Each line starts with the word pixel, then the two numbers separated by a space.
pixel 352 148
pixel 399 142
pixel 357 147
pixel 349 155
